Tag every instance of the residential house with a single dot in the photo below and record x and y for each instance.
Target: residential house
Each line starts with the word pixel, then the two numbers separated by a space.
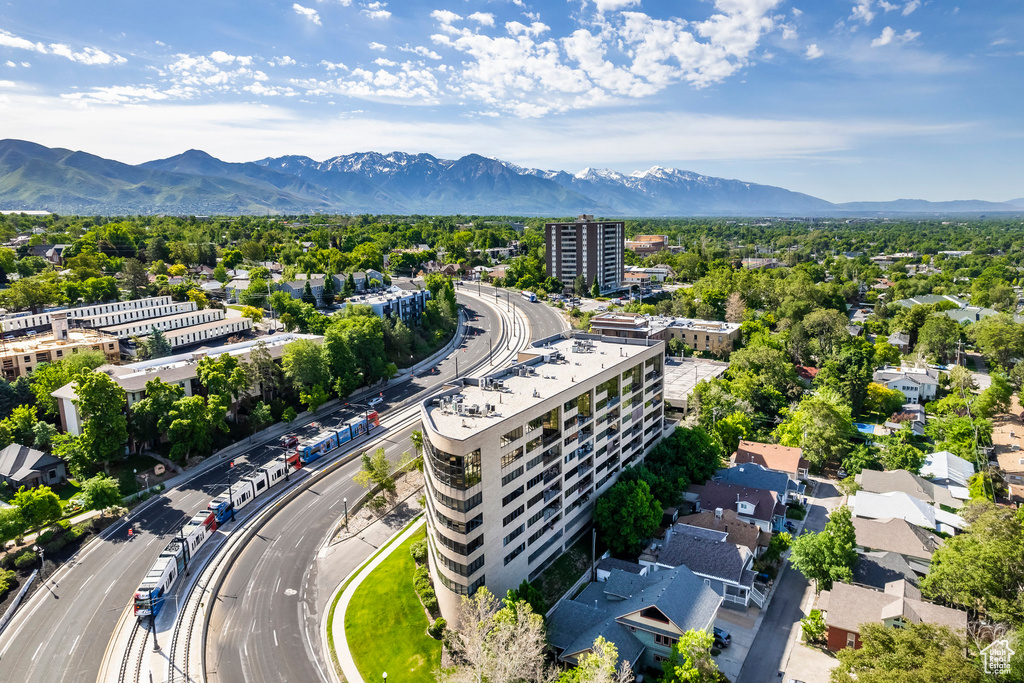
pixel 904 506
pixel 296 288
pixel 738 532
pixel 644 615
pixel 806 374
pixel 912 543
pixel 901 340
pixel 919 385
pixel 947 469
pixel 874 481
pixel 847 607
pixel 875 569
pixel 772 456
pixel 757 476
pixel 724 566
pixel 1007 429
pixel 24 466
pixel 363 279
pixel 606 564
pixel 757 506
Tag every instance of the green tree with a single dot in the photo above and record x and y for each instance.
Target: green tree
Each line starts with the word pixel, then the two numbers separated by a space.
pixel 191 422
pixel 307 294
pixel 135 277
pixel 100 492
pixel 49 377
pixel 827 556
pixel 813 627
pixel 690 661
pixel 938 337
pixel 882 400
pixel 579 285
pixel 220 273
pixel 595 289
pixel 315 397
pixel 304 364
pixel 599 665
pixel 252 313
pixel 263 372
pixel 12 523
pixel 923 653
pixel 376 472
pixel 732 428
pixel 157 345
pixel 998 338
pixel 821 425
pixel 982 569
pixel 42 434
pixel 885 353
pixel 20 426
pixel 260 417
pixel 849 373
pixel 39 506
pixel 149 414
pixel 101 401
pixel 627 515
pixel 530 594
pixel 900 455
pixel 344 370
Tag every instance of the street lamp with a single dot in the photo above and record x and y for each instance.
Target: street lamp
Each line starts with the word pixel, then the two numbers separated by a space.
pixel 345 500
pixel 284 456
pixel 42 559
pixel 385 677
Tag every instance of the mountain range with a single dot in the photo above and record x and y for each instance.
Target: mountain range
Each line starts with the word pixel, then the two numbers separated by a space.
pixel 64 181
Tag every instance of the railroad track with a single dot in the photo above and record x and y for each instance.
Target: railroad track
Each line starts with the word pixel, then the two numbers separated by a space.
pixel 134 651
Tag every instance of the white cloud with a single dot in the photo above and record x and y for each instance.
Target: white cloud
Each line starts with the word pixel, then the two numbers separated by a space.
pixel 381 61
pixel 887 6
pixel 911 6
pixel 282 61
pixel 889 35
pixel 308 13
pixel 445 17
pixel 88 55
pixel 796 12
pixel 482 18
pixel 603 6
pixel 222 57
pixel 11 64
pixel 375 10
pixel 421 51
pixel 813 51
pixel 380 47
pixel 343 3
pixel 862 11
pixel 333 66
pixel 7 84
pixel 10 40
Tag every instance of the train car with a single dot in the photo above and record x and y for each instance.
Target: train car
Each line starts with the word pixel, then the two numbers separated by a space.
pixel 344 434
pixel 529 296
pixel 198 529
pixel 317 446
pixel 240 495
pixel 373 418
pixel 274 473
pixel 149 598
pixel 359 427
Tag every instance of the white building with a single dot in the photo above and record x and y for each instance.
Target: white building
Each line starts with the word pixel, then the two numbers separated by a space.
pixel 919 385
pixel 407 304
pixel 514 460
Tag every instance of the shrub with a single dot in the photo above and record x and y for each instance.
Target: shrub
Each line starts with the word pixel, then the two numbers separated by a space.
pixel 27 559
pixel 430 601
pixel 7 561
pixel 419 551
pixel 436 630
pixel 813 627
pixel 9 580
pixel 46 536
pixel 55 545
pixel 421 572
pixel 75 533
pixel 64 524
pixel 796 513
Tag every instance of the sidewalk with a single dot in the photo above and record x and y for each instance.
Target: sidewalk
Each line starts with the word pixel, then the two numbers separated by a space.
pixel 340 557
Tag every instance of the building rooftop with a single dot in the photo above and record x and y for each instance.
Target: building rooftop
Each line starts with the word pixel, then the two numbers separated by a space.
pixel 45 342
pixel 850 606
pixel 150 322
pixel 903 505
pixel 683 374
pixel 913 485
pixel 548 368
pixel 737 531
pixel 772 456
pixel 393 293
pixel 897 536
pixel 656 323
pixel 211 325
pixel 875 569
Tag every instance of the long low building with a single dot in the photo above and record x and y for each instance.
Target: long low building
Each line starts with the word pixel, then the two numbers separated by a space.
pixel 109 318
pixel 19 323
pixel 514 460
pixel 178 369
pixel 140 328
pixel 215 329
pixel 22 355
pixel 714 336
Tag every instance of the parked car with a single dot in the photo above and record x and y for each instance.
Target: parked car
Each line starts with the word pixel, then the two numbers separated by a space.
pixel 376 400
pixel 722 638
pixel 842 473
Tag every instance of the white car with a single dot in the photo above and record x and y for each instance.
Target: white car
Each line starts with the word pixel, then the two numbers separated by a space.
pixel 375 401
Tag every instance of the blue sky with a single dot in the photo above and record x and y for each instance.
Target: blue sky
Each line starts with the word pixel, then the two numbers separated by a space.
pixel 843 99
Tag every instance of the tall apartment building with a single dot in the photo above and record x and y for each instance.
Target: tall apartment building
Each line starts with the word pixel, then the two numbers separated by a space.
pixel 589 247
pixel 514 460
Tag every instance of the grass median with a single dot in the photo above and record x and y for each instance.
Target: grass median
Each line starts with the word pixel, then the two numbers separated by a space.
pixel 386 625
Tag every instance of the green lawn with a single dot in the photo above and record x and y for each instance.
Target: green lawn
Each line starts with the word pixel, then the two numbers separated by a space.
pixel 66 491
pixel 386 626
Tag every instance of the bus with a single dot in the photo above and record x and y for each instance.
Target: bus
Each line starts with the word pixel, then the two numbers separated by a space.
pixel 529 296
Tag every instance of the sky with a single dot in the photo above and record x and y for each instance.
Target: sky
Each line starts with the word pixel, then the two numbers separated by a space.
pixel 843 99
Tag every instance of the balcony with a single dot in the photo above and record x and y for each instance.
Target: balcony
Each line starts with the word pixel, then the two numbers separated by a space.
pixel 554 490
pixel 552 454
pixel 552 473
pixel 552 509
pixel 550 437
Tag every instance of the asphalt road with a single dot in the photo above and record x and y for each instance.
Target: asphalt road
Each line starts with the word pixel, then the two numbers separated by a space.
pixel 265 623
pixel 63 630
pixel 764 662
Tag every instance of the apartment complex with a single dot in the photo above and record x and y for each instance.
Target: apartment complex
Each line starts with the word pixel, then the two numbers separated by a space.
pixel 22 323
pixel 407 304
pixel 588 247
pixel 514 460
pixel 713 336
pixel 180 369
pixel 21 355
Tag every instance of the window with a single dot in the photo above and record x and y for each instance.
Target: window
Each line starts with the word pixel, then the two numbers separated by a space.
pixel 515 534
pixel 508 478
pixel 851 639
pixel 512 496
pixel 509 518
pixel 515 553
pixel 511 457
pixel 511 436
pixel 654 614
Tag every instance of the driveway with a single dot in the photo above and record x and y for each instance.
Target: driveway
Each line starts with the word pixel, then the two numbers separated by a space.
pixel 980 372
pixel 768 656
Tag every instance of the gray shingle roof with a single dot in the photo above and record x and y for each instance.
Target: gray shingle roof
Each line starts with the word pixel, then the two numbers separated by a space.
pixel 896 535
pixel 909 483
pixel 879 568
pixel 707 556
pixel 719 494
pixel 609 563
pixel 756 476
pixel 18 462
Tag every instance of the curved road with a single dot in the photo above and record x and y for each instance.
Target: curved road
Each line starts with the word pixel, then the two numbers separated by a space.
pixel 61 633
pixel 265 623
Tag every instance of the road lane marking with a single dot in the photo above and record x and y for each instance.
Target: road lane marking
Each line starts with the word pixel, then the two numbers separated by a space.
pixel 37 652
pixel 75 643
pixel 275 638
pixel 278 584
pixel 110 586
